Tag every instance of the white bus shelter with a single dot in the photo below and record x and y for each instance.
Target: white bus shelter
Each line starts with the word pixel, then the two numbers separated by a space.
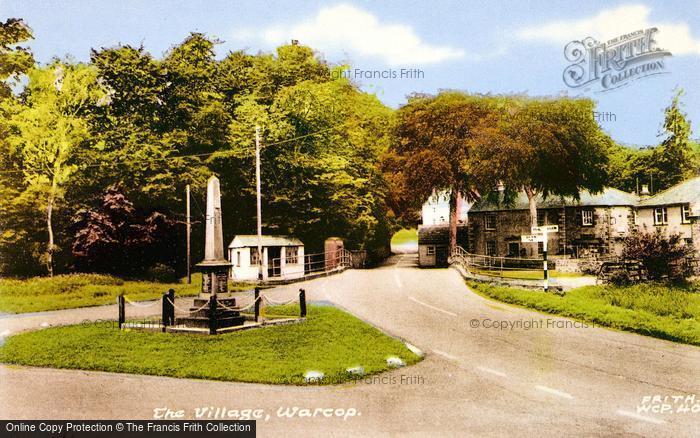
pixel 282 257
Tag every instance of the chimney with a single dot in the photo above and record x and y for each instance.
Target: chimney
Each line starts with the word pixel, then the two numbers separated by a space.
pixel 645 191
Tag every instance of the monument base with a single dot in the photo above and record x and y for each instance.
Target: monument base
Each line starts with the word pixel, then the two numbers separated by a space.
pixel 200 317
pixel 214 276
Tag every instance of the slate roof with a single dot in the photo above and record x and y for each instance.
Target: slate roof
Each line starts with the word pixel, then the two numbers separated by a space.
pixel 608 197
pixel 251 240
pixel 685 192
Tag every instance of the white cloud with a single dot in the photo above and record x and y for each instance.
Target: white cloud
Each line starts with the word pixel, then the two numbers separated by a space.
pixel 346 28
pixel 610 23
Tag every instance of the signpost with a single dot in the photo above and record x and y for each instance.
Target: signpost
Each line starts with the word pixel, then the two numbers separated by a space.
pixel 539 234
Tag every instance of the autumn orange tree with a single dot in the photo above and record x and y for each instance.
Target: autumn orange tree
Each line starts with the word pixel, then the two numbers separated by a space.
pixel 431 150
pixel 548 146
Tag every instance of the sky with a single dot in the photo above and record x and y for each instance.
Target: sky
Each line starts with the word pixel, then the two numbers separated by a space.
pixel 475 46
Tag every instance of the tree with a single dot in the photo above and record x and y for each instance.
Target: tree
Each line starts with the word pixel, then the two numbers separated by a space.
pixel 15 60
pixel 15 225
pixel 432 149
pixel 673 159
pixel 106 238
pixel 542 147
pixel 49 129
pixel 676 158
pixel 320 176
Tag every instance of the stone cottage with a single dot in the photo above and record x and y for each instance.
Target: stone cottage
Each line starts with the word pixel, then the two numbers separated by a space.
pixel 595 224
pixel 434 244
pixel 675 210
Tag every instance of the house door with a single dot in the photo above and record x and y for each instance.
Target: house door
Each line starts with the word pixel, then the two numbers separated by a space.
pixel 274 268
pixel 441 256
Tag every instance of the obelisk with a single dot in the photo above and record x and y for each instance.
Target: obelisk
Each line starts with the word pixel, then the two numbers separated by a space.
pixel 214 267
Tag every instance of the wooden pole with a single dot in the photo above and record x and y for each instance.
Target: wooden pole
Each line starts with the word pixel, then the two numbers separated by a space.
pixel 189 231
pixel 544 262
pixel 257 304
pixel 165 312
pixel 258 201
pixel 213 323
pixel 120 301
pixel 302 302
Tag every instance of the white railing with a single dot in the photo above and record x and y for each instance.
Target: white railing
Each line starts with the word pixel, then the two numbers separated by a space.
pixel 320 262
pixel 493 265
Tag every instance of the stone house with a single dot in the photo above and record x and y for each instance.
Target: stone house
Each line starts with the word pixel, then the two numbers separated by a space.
pixel 595 224
pixel 434 244
pixel 675 210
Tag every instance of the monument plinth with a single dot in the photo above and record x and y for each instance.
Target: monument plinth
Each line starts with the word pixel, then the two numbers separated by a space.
pixel 215 268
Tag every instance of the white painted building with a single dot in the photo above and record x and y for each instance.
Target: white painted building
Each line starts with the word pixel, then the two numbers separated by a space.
pixel 436 210
pixel 282 257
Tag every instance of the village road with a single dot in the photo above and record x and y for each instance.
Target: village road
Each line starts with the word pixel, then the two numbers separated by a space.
pixel 490 370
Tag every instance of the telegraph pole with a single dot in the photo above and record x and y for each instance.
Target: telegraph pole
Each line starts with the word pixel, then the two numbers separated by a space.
pixel 257 186
pixel 189 229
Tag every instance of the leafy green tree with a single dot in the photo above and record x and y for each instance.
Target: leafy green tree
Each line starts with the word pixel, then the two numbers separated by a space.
pixel 321 143
pixel 49 130
pixel 542 147
pixel 14 58
pixel 673 159
pixel 660 167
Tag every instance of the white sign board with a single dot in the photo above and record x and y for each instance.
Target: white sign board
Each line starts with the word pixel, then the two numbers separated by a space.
pixel 545 229
pixel 532 238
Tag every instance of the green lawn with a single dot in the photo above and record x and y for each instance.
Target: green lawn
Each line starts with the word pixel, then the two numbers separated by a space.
pixel 329 341
pixel 525 274
pixel 405 236
pixel 659 310
pixel 81 290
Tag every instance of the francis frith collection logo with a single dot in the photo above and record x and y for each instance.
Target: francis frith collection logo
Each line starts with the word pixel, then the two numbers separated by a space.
pixel 605 66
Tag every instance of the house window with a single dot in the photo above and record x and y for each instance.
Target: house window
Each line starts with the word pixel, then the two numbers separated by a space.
pixel 490 221
pixel 491 248
pixel 685 217
pixel 541 218
pixel 238 258
pixel 254 256
pixel 431 250
pixel 635 218
pixel 660 216
pixel 688 241
pixel 291 255
pixel 587 218
pixel 540 247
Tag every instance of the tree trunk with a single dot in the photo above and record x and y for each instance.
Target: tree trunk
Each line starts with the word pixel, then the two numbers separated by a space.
pixel 49 246
pixel 454 215
pixel 532 200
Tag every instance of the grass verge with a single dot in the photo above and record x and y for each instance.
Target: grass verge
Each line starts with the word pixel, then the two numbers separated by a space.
pixel 329 341
pixel 526 274
pixel 659 310
pixel 81 290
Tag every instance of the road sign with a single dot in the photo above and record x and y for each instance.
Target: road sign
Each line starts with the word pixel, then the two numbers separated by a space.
pixel 532 238
pixel 545 229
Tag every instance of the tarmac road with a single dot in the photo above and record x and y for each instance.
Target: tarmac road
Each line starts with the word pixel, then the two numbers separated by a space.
pixel 490 370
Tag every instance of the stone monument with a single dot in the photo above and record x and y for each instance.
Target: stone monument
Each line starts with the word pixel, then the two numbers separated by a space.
pixel 215 268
